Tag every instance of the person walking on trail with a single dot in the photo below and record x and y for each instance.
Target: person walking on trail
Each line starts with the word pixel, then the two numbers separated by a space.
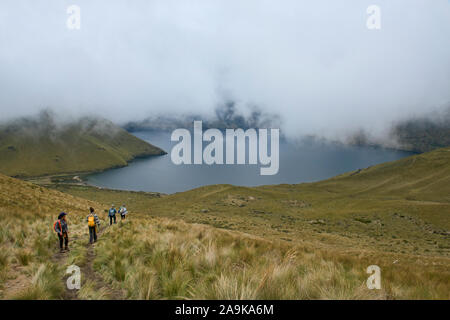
pixel 60 227
pixel 123 212
pixel 112 215
pixel 93 225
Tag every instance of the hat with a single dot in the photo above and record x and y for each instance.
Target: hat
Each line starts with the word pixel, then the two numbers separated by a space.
pixel 62 214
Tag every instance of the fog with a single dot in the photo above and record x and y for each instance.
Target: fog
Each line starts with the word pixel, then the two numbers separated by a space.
pixel 314 64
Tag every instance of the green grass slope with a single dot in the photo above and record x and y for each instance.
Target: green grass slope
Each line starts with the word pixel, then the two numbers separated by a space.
pixel 394 215
pixel 306 241
pixel 29 266
pixel 148 257
pixel 402 207
pixel 423 177
pixel 37 147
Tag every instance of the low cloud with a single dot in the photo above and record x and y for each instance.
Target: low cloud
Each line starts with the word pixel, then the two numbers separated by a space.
pixel 314 67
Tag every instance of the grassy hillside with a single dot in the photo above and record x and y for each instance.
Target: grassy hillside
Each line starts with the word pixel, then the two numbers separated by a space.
pixel 153 258
pixel 307 241
pixel 43 146
pixel 29 267
pixel 149 257
pixel 401 207
pixel 395 215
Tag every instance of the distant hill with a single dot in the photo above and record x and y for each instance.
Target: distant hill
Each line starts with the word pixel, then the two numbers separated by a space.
pixel 44 146
pixel 225 116
pixel 417 186
pixel 416 134
pixel 424 134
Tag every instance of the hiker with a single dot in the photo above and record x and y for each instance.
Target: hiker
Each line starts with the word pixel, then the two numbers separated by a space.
pixel 123 212
pixel 93 224
pixel 60 227
pixel 112 215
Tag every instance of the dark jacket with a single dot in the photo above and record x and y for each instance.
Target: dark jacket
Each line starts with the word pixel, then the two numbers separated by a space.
pixel 61 226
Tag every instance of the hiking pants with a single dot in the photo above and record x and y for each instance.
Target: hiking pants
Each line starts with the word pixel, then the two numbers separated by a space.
pixel 92 234
pixel 63 238
pixel 122 216
pixel 111 219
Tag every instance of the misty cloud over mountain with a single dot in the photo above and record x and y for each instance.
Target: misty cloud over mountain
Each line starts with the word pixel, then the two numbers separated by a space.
pixel 312 67
pixel 227 115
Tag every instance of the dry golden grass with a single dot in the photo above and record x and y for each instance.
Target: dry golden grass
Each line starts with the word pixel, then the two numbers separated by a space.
pixel 168 259
pixel 311 241
pixel 31 266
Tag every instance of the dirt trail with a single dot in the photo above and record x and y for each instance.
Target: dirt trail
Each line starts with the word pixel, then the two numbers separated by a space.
pixel 87 274
pixel 60 259
pixel 14 286
pixel 215 191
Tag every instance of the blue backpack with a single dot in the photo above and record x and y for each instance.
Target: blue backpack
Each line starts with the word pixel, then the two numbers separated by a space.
pixel 112 212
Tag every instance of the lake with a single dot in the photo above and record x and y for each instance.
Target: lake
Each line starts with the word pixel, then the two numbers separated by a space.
pixel 306 161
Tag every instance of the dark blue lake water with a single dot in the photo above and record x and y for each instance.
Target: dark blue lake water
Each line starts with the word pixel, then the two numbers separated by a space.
pixel 299 162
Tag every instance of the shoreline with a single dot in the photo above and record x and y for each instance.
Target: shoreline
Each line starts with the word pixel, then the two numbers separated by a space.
pixel 82 174
pixel 80 180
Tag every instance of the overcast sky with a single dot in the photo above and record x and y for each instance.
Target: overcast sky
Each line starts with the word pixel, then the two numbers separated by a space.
pixel 315 63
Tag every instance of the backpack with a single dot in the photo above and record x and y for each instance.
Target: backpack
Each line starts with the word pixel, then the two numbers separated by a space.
pixel 112 212
pixel 54 225
pixel 91 221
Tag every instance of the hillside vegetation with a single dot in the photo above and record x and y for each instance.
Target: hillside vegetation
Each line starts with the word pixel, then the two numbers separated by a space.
pixel 424 134
pixel 45 146
pixel 398 207
pixel 394 215
pixel 149 257
pixel 29 267
pixel 153 258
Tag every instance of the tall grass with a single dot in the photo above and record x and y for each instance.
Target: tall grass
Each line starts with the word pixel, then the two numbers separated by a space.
pixel 44 284
pixel 169 259
pixel 30 264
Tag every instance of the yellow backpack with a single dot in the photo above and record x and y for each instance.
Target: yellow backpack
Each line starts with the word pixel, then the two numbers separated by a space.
pixel 91 221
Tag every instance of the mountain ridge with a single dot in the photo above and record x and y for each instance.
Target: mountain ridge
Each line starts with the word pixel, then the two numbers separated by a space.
pixel 31 147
